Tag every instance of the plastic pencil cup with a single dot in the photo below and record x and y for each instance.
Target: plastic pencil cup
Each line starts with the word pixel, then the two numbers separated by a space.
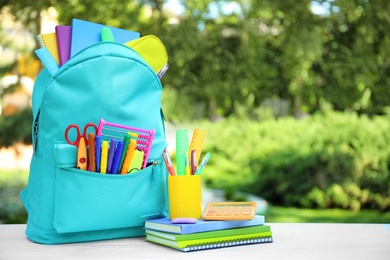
pixel 185 196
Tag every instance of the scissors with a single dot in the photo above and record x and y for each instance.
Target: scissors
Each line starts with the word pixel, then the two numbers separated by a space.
pixel 81 143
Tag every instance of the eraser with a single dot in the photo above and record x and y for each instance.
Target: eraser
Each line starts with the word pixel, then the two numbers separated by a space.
pixel 184 220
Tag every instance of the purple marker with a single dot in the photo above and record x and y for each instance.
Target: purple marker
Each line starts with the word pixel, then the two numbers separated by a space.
pixel 111 153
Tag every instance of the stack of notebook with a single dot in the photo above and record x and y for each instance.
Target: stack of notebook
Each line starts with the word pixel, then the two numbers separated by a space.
pixel 207 234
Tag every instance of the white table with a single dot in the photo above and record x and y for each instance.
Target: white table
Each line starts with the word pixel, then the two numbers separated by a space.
pixel 291 241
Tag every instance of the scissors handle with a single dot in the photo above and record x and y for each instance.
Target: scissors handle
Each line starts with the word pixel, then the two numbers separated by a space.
pixel 85 133
pixel 76 142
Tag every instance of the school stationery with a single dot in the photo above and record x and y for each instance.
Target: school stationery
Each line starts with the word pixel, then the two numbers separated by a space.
pixel 117 157
pixel 111 153
pixel 152 50
pixel 91 152
pixel 166 225
pixel 129 156
pixel 181 149
pixel 80 142
pixel 211 234
pixel 65 204
pixel 64 37
pixel 49 40
pixel 104 158
pixel 168 163
pixel 143 137
pixel 213 243
pixel 203 163
pixel 85 33
pixel 136 162
pixel 106 35
pixel 98 151
pixel 197 143
pixel 230 211
pixel 47 60
pixel 185 196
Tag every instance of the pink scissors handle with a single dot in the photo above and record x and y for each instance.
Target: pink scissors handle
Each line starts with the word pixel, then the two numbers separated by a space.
pixel 76 142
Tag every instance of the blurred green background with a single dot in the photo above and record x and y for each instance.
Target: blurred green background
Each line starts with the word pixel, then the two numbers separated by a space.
pixel 294 95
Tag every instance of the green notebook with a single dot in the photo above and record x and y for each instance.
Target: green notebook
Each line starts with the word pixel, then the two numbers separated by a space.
pixel 210 234
pixel 213 243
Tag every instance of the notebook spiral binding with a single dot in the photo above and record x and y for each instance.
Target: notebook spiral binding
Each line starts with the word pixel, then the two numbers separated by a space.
pixel 230 243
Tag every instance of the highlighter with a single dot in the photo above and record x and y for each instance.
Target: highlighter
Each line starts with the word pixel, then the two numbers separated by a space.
pixel 111 153
pixel 129 156
pixel 98 141
pixel 117 158
pixel 126 142
pixel 103 161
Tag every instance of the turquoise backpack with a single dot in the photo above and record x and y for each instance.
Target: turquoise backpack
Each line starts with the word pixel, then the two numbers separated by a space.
pixel 64 204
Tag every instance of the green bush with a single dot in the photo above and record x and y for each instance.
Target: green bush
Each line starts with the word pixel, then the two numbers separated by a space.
pixel 333 160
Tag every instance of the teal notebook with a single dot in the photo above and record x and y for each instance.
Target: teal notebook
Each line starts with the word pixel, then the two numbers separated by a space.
pixel 213 243
pixel 165 225
pixel 210 234
pixel 85 33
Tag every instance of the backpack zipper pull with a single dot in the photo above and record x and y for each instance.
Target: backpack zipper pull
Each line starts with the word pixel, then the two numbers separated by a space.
pixel 156 179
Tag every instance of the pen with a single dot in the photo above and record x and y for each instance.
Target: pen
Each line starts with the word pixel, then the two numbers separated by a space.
pixel 188 169
pixel 168 162
pixel 111 153
pixel 193 162
pixel 103 160
pixel 203 163
pixel 117 158
pixel 98 140
pixel 129 156
pixel 91 151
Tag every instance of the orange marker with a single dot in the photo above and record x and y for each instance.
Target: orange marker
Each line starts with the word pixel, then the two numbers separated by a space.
pixel 129 156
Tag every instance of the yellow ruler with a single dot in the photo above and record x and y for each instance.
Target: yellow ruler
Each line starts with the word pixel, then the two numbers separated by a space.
pixel 181 149
pixel 197 143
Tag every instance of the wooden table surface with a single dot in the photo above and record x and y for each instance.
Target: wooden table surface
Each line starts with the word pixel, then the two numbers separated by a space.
pixel 291 241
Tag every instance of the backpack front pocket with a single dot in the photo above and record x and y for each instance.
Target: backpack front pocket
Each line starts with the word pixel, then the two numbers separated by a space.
pixel 86 201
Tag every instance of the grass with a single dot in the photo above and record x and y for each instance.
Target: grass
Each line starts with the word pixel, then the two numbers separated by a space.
pixel 282 214
pixel 12 210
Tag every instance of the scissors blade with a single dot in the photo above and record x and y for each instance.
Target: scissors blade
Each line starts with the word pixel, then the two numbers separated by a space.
pixel 82 155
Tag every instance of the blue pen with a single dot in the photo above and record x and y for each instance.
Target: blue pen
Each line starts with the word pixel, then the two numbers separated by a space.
pixel 111 153
pixel 117 157
pixel 98 148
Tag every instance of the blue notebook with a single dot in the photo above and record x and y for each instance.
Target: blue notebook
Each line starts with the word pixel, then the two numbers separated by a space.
pixel 86 33
pixel 165 225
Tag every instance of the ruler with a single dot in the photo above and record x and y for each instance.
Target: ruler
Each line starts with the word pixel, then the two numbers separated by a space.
pixel 197 143
pixel 181 149
pixel 47 59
